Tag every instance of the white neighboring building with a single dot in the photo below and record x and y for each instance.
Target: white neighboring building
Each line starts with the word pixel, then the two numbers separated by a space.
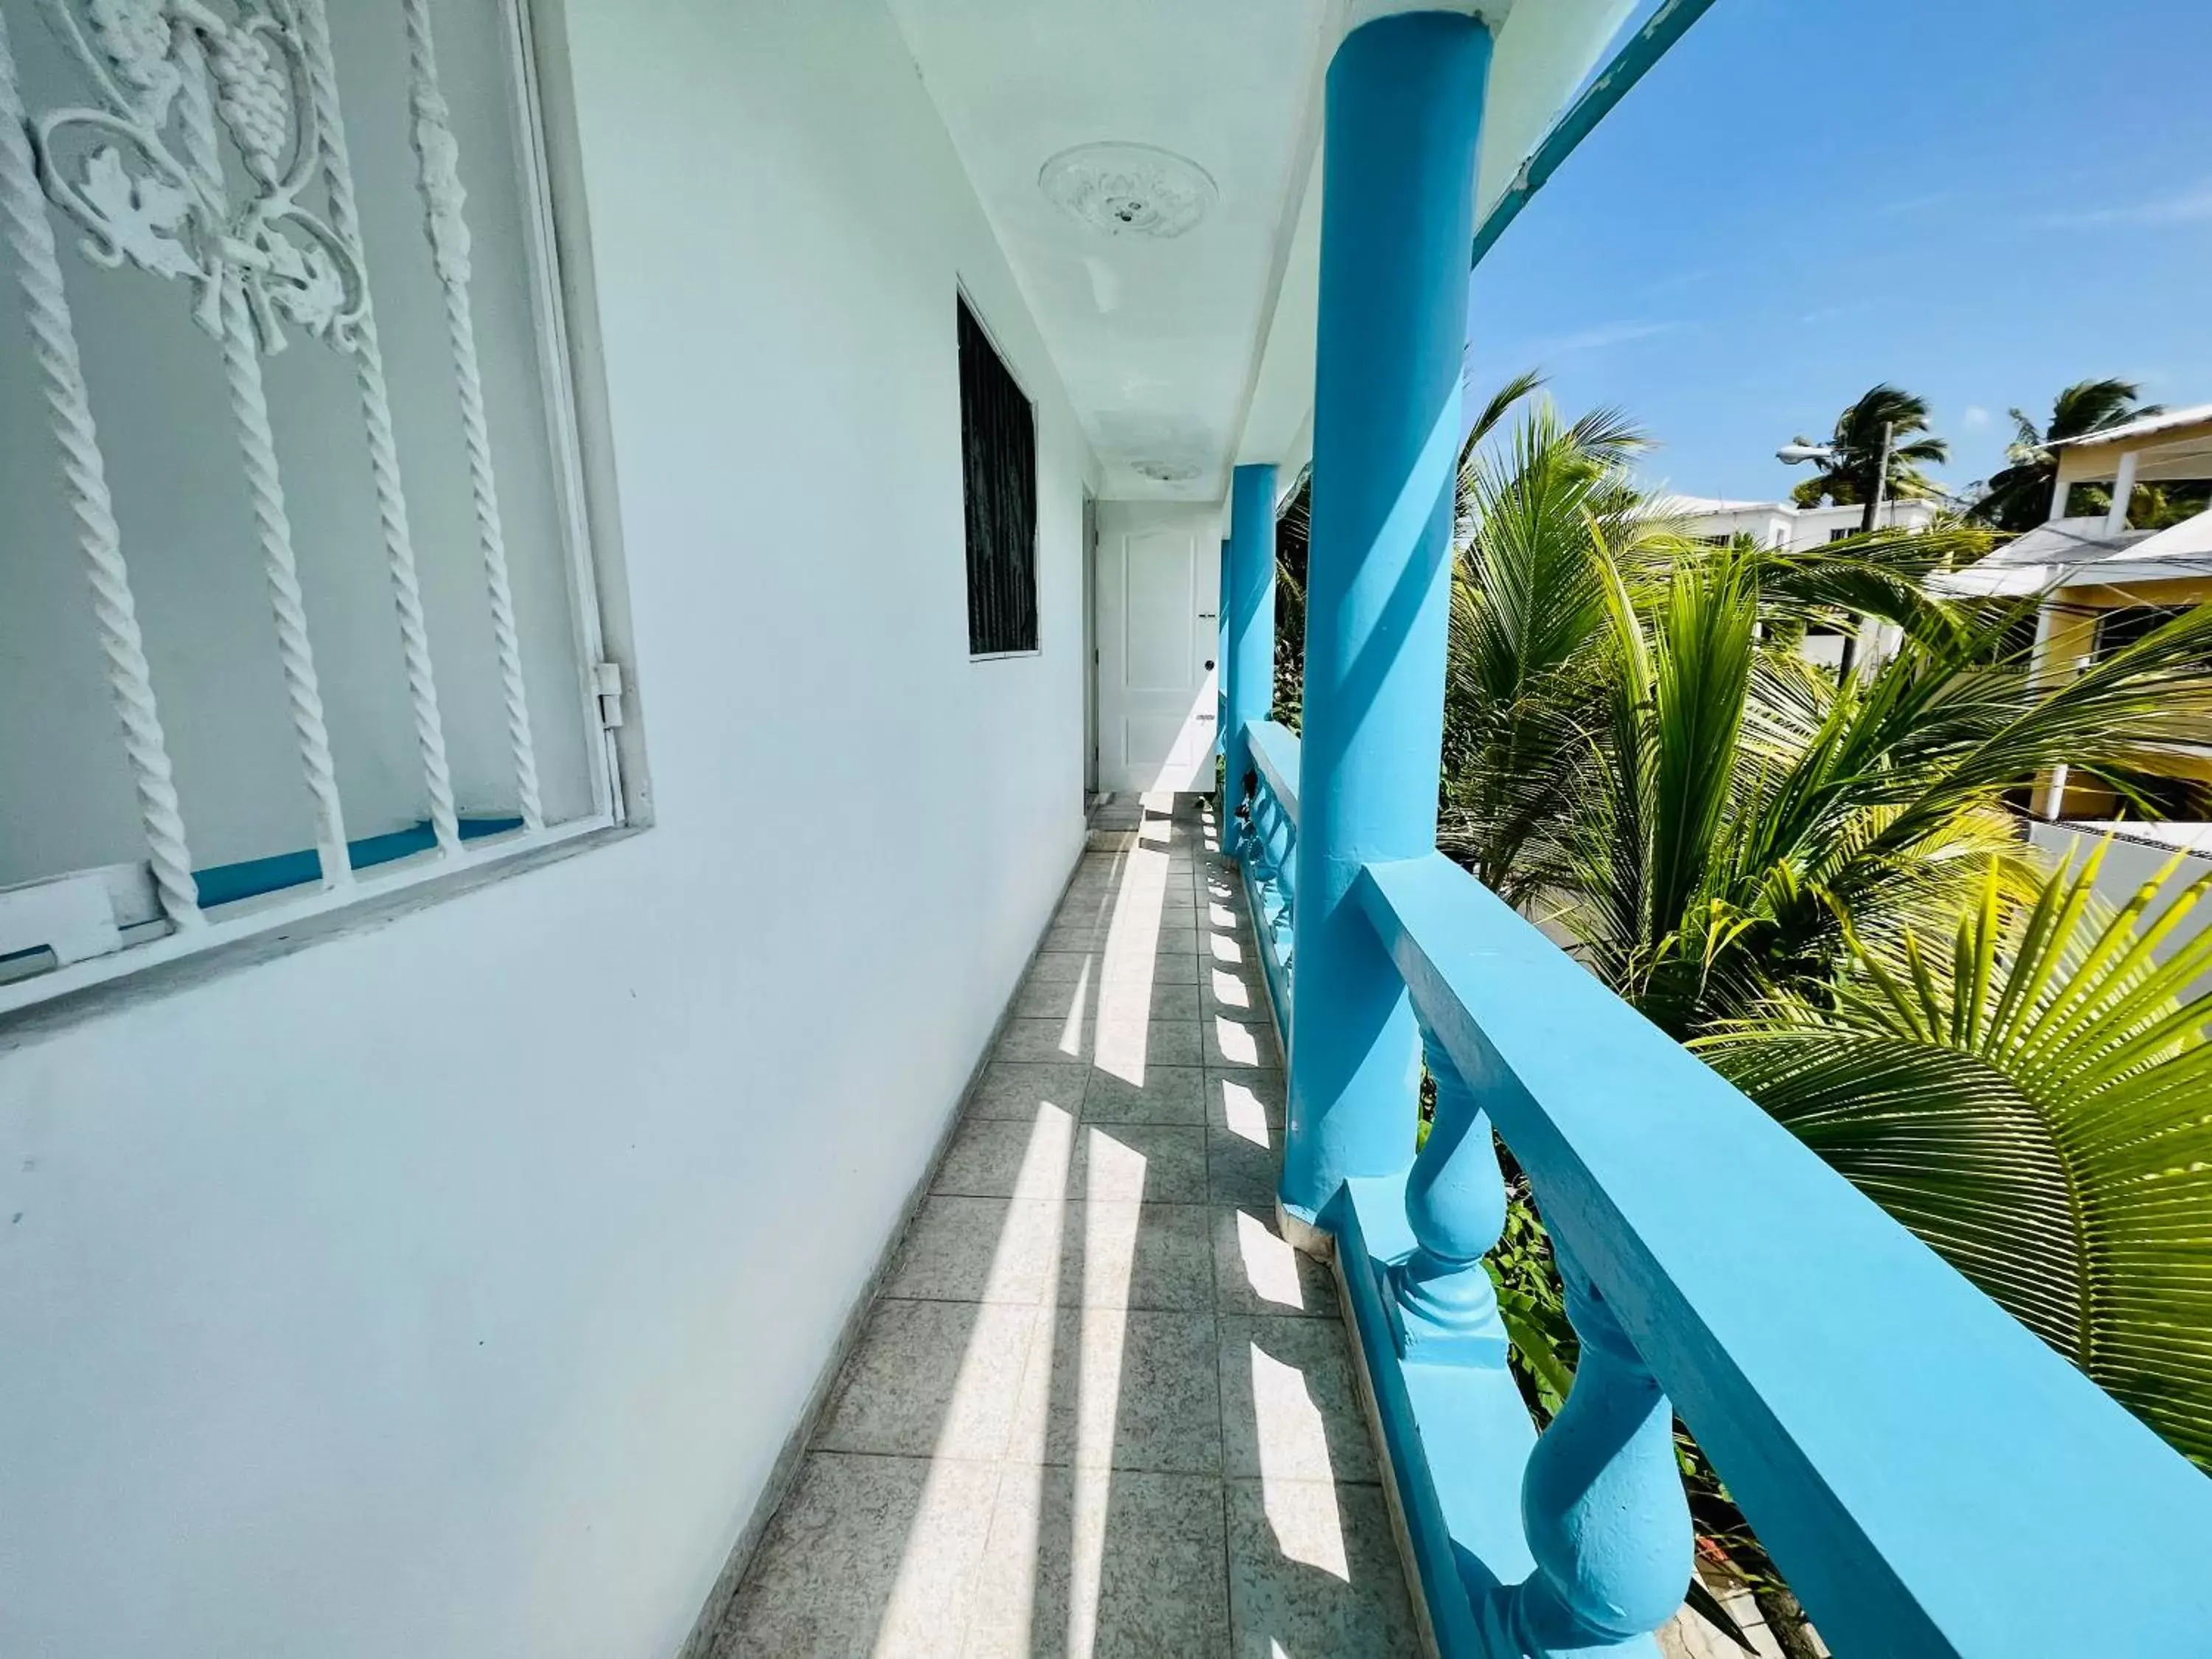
pixel 1786 525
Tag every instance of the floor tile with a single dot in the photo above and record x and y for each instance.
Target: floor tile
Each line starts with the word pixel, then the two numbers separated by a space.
pixel 1155 968
pixel 1129 1047
pixel 1158 1257
pixel 1120 1001
pixel 980 1249
pixel 1074 936
pixel 1020 1088
pixel 1045 999
pixel 1230 952
pixel 1090 1325
pixel 1169 1094
pixel 1289 1403
pixel 1063 966
pixel 1314 1573
pixel 1126 1389
pixel 1248 1102
pixel 1241 1171
pixel 1233 992
pixel 1098 1564
pixel 1006 1158
pixel 867 1555
pixel 1256 1271
pixel 931 1378
pixel 1248 1041
pixel 1157 1162
pixel 1033 1039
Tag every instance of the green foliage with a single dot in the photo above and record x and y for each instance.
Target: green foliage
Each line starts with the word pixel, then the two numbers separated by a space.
pixel 1857 441
pixel 1751 849
pixel 2036 1103
pixel 2019 497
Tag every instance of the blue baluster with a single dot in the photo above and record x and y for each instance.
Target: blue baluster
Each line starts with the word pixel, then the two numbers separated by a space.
pixel 1444 1308
pixel 1602 1503
pixel 1248 607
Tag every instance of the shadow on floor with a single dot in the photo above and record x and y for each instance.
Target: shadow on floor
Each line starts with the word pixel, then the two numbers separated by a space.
pixel 1101 1407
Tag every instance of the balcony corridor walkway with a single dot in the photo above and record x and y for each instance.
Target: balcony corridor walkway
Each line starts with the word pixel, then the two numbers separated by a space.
pixel 1101 1407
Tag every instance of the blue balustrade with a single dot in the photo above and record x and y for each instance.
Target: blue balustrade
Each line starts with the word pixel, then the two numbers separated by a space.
pixel 1930 1476
pixel 1933 1478
pixel 1270 845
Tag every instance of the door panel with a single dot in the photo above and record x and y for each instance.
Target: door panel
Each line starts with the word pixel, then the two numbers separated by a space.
pixel 1158 569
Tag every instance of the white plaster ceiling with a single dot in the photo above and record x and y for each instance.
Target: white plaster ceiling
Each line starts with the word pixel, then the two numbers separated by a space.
pixel 1155 340
pixel 1195 351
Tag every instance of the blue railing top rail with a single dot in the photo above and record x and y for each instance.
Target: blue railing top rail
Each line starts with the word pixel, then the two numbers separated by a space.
pixel 1275 754
pixel 1933 1478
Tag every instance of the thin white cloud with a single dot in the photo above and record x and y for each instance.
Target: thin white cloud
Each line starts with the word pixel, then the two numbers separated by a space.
pixel 1974 417
pixel 2186 207
pixel 1598 338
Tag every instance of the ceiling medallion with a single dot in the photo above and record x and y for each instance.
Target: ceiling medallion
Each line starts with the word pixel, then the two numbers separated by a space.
pixel 1129 189
pixel 1161 470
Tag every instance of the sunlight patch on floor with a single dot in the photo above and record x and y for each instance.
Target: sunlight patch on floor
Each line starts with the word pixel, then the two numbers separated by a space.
pixel 1243 1112
pixel 1271 1264
pixel 1294 1464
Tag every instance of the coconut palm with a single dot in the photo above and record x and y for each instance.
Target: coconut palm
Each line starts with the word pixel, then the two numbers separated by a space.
pixel 2019 497
pixel 1745 813
pixel 1857 443
pixel 1541 521
pixel 2034 1102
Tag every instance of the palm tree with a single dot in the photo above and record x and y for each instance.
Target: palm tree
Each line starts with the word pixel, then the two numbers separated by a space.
pixel 1858 442
pixel 2019 497
pixel 1749 851
pixel 1745 816
pixel 1541 521
pixel 2030 1101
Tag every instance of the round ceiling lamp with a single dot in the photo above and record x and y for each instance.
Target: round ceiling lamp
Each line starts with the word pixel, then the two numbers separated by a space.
pixel 1129 189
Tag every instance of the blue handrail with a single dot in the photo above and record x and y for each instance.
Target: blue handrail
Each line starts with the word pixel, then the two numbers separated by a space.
pixel 1931 1476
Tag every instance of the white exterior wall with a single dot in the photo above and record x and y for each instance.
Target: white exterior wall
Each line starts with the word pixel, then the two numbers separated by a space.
pixel 1783 523
pixel 2130 862
pixel 448 1288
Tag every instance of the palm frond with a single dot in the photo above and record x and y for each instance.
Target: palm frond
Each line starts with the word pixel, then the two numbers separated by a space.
pixel 2037 1104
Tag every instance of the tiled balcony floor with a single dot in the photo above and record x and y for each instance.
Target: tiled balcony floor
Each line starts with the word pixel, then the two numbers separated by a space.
pixel 1102 1407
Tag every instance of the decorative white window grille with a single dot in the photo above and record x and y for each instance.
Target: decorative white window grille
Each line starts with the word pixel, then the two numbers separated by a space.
pixel 287 478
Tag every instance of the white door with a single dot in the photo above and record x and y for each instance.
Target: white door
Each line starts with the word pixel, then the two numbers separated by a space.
pixel 1158 574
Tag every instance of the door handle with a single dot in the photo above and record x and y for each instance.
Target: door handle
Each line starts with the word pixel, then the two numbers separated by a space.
pixel 1209 662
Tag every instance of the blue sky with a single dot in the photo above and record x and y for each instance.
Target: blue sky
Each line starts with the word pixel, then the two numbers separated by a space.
pixel 1981 201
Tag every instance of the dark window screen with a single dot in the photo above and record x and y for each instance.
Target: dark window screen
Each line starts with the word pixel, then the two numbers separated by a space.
pixel 997 458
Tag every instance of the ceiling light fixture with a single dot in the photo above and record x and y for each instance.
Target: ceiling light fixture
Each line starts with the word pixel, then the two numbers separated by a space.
pixel 1129 189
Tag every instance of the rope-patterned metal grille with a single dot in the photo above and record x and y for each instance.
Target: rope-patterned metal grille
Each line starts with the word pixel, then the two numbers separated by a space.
pixel 69 407
pixel 442 202
pixel 383 446
pixel 264 485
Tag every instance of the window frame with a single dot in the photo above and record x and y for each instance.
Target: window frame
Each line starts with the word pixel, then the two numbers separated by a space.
pixel 564 318
pixel 965 307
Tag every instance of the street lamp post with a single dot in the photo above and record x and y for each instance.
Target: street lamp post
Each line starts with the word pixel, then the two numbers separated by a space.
pixel 1792 454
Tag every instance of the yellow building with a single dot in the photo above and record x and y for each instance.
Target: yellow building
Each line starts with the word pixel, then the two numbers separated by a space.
pixel 2104 584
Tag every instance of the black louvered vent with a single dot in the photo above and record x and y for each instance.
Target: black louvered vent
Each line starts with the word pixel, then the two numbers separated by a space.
pixel 997 456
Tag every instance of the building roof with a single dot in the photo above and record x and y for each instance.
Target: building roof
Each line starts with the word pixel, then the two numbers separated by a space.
pixel 2077 553
pixel 2147 426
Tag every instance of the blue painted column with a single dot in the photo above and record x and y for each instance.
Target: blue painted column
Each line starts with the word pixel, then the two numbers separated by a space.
pixel 1247 610
pixel 1221 689
pixel 1404 105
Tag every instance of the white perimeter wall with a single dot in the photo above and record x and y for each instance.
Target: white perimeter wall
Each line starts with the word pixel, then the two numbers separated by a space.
pixel 2128 864
pixel 448 1289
